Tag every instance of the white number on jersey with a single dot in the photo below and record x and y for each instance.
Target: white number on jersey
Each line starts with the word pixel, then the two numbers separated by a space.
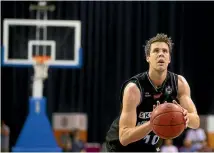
pixel 151 139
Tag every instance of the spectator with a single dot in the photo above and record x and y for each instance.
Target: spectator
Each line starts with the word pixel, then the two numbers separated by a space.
pixel 68 146
pixel 168 146
pixel 65 139
pixel 196 136
pixel 5 136
pixel 205 147
pixel 187 146
pixel 77 144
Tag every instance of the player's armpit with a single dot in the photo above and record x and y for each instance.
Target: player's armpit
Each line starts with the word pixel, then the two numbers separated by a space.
pixel 128 132
pixel 184 97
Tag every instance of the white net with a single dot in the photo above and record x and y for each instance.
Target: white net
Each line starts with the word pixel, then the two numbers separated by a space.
pixel 40 71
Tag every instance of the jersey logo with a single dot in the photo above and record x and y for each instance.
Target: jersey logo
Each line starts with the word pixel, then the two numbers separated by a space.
pixel 168 90
pixel 147 94
pixel 144 115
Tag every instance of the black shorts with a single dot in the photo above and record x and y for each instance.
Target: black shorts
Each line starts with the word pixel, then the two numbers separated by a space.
pixel 115 147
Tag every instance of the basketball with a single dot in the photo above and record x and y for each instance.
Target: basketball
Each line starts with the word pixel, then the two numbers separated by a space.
pixel 168 120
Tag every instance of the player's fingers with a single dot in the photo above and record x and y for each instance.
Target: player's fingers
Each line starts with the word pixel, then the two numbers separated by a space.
pixel 154 107
pixel 185 112
pixel 175 102
pixel 187 122
pixel 158 103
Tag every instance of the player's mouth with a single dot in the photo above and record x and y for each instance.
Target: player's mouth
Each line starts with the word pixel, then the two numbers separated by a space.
pixel 161 61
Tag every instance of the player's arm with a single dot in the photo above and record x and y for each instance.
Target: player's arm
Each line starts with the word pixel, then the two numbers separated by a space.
pixel 128 131
pixel 184 97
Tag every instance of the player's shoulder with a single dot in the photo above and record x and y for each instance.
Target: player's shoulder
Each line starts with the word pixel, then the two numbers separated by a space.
pixel 173 73
pixel 132 94
pixel 139 75
pixel 182 80
pixel 183 86
pixel 180 77
pixel 131 87
pixel 138 79
pixel 134 80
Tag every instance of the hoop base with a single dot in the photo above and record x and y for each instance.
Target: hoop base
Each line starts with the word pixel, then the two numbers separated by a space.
pixel 42 138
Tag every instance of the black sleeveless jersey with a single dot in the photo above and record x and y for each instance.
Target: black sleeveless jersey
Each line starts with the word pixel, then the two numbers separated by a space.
pixel 149 96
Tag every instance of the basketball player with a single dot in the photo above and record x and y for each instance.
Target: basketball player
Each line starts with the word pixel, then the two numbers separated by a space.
pixel 131 131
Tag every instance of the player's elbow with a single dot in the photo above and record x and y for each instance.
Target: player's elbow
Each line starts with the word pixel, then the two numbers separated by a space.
pixel 123 138
pixel 123 141
pixel 197 122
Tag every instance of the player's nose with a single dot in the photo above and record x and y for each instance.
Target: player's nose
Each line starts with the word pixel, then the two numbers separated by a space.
pixel 160 54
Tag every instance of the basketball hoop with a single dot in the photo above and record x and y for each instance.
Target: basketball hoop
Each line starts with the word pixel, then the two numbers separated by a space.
pixel 41 67
pixel 41 59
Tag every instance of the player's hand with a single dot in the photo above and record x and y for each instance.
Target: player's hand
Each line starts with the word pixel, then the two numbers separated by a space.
pixel 185 113
pixel 186 117
pixel 154 106
pixel 158 103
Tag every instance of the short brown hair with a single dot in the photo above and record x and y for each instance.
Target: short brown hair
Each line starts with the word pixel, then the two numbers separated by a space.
pixel 160 37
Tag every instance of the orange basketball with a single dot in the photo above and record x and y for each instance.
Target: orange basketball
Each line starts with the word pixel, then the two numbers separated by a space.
pixel 168 120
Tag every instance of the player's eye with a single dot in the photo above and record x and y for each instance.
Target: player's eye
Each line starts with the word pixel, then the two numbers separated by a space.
pixel 156 50
pixel 165 50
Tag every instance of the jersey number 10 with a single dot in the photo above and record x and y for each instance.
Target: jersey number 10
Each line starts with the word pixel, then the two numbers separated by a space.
pixel 151 139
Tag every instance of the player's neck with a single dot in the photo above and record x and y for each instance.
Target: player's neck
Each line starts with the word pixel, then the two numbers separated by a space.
pixel 156 77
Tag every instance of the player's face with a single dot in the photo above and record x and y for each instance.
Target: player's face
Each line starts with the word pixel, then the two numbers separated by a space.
pixel 159 57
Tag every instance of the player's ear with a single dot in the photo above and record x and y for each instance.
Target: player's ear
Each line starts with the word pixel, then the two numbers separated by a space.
pixel 169 58
pixel 147 58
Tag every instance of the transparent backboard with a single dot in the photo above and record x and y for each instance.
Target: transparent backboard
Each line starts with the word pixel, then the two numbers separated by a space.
pixel 25 38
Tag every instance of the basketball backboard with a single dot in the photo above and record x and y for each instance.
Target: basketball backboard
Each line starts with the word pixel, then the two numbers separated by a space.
pixel 25 38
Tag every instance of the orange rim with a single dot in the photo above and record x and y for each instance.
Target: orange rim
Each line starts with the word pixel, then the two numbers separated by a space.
pixel 41 59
